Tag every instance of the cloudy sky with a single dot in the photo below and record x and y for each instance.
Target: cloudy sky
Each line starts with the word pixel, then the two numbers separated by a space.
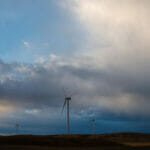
pixel 98 49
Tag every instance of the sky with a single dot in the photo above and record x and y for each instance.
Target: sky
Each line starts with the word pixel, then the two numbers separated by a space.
pixel 97 49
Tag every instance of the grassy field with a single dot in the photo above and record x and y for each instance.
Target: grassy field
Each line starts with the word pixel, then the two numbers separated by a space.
pixel 122 141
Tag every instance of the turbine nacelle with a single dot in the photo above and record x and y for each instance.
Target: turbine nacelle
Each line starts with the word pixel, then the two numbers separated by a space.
pixel 68 98
pixel 93 120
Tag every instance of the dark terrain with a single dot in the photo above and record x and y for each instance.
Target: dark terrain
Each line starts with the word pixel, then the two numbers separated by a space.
pixel 120 141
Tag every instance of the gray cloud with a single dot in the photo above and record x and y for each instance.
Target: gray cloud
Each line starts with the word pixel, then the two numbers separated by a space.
pixel 40 85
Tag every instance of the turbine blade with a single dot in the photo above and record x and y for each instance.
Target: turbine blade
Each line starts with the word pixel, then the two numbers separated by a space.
pixel 73 93
pixel 64 92
pixel 64 106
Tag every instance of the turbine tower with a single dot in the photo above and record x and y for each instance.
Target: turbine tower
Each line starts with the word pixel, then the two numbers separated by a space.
pixel 93 126
pixel 66 102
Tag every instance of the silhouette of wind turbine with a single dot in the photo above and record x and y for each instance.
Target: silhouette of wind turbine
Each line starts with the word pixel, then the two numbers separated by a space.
pixel 17 128
pixel 93 126
pixel 67 103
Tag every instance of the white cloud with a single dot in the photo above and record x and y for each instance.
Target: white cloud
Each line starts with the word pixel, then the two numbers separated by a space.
pixel 26 44
pixel 33 111
pixel 53 57
pixel 118 31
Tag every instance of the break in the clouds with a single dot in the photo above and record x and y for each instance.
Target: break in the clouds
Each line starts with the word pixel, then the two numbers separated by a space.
pixel 108 70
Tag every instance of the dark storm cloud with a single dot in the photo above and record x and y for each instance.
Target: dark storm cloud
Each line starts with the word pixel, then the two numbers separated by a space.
pixel 41 85
pixel 37 84
pixel 23 87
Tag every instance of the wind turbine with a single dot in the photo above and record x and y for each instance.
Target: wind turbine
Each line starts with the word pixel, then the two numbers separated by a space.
pixel 93 126
pixel 17 128
pixel 67 104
